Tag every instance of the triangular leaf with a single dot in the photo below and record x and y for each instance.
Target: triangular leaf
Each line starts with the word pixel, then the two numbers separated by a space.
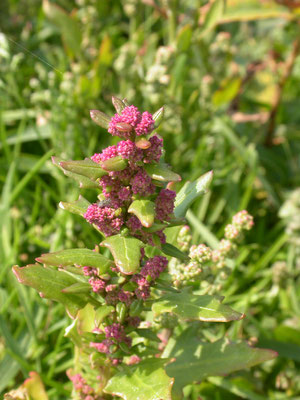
pixel 144 381
pixel 196 360
pixel 161 172
pixel 85 167
pixel 84 182
pixel 158 117
pixel 114 164
pixel 78 287
pixel 76 207
pixel 189 192
pixel 86 319
pixel 100 118
pixel 83 257
pixel 144 210
pixel 101 313
pixel 173 251
pixel 126 252
pixel 193 307
pixel 50 283
pixel 118 104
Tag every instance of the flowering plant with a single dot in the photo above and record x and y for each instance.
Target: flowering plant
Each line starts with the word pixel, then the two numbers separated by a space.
pixel 137 301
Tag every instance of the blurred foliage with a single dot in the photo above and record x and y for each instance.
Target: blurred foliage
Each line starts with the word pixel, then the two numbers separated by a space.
pixel 229 75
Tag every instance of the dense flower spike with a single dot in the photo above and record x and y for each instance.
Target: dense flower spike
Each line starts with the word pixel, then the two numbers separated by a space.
pixel 146 125
pixel 134 206
pixel 106 219
pixel 142 184
pixel 131 119
pixel 154 267
pixel 106 154
pixel 154 152
pixel 165 204
pixel 128 150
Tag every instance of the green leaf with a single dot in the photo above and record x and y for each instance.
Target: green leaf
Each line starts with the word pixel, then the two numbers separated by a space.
pixel 158 116
pixel 249 10
pixel 189 192
pixel 114 164
pixel 144 210
pixel 100 118
pixel 101 313
pixel 228 90
pixel 193 307
pixel 126 252
pixel 161 172
pixel 155 227
pixel 184 38
pixel 144 381
pixel 86 319
pixel 118 104
pixel 214 15
pixel 78 287
pixel 76 207
pixel 85 167
pixel 35 387
pixel 31 389
pixel 50 283
pixel 173 251
pixel 196 360
pixel 84 182
pixel 83 257
pixel 67 24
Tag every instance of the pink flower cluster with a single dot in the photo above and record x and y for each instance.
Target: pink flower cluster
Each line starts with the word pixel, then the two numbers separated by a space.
pixel 98 285
pixel 130 118
pixel 114 333
pixel 102 347
pixel 104 218
pixel 243 220
pixel 151 270
pixel 154 267
pixel 154 152
pixel 141 183
pixel 200 253
pixel 80 385
pixel 165 204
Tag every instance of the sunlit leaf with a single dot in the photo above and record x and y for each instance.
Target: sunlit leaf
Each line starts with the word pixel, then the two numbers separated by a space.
pixel 76 207
pixel 50 283
pixel 144 381
pixel 189 193
pixel 189 307
pixel 85 167
pixel 196 360
pixel 144 210
pixel 161 172
pixel 126 252
pixel 83 257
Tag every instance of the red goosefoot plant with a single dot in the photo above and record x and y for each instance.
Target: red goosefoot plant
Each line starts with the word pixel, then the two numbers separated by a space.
pixel 137 301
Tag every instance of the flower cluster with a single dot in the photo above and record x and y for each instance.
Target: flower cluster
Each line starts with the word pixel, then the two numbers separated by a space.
pixel 107 219
pixel 120 186
pixel 85 391
pixel 130 120
pixel 124 180
pixel 241 221
pixel 207 264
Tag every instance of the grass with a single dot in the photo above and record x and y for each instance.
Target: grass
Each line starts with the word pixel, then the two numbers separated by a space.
pixel 205 78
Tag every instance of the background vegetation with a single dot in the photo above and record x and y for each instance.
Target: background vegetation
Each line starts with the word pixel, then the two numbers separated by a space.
pixel 229 76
